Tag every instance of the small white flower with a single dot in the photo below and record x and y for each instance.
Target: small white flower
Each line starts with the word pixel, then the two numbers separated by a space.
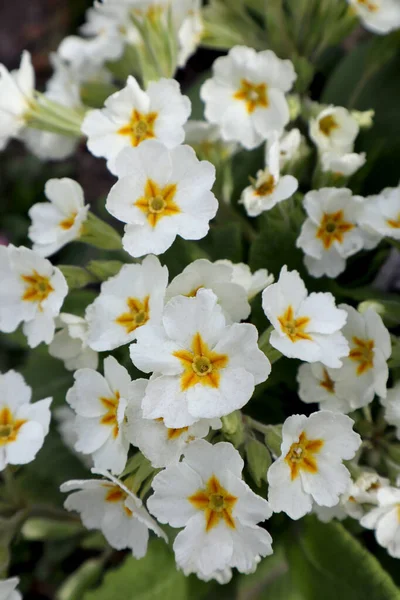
pixel 385 519
pixel 205 137
pixel 253 283
pixel 59 221
pixel 16 98
pixel 23 426
pixel 342 165
pixel 65 418
pixel 127 301
pixel 160 444
pixel 310 466
pixel 392 407
pixel 381 214
pixel 132 115
pixel 365 369
pixel 246 95
pixel 100 404
pixel 161 193
pixel 190 28
pixel 203 368
pixel 289 147
pixel 330 234
pixel 206 495
pixel 108 505
pixel 270 188
pixel 305 326
pixel 378 16
pixel 202 274
pixel 334 130
pixel 8 589
pixel 70 343
pixel 32 292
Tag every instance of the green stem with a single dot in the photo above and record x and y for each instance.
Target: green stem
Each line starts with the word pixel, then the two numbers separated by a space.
pixel 264 344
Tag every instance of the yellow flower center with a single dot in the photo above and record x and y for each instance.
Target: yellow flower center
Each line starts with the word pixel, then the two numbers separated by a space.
pixel 327 383
pixel 37 287
pixel 173 434
pixel 327 125
pixel 68 222
pixel 9 427
pixel 216 502
pixel 332 228
pixel 138 314
pixel 363 354
pixel 140 127
pixel 371 6
pixel 115 494
pixel 301 456
pixel 110 418
pixel 395 223
pixel 201 365
pixel 294 328
pixel 158 202
pixel 266 188
pixel 253 94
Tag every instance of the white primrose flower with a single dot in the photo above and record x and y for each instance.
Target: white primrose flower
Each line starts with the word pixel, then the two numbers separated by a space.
pixel 392 407
pixel 332 389
pixel 23 426
pixel 132 115
pixel 203 367
pixel 161 193
pixel 59 221
pixel 385 519
pixel 310 467
pixel 289 147
pixel 8 589
pixel 342 165
pixel 65 418
pixel 381 214
pixel 204 137
pixel 334 130
pixel 252 283
pixel 160 444
pixel 131 299
pixel 306 326
pixel 269 188
pixel 109 506
pixel 32 292
pixel 16 98
pixel 246 95
pixel 206 495
pixel 70 343
pixel 190 28
pixel 378 16
pixel 365 369
pixel 202 274
pixel 100 404
pixel 330 234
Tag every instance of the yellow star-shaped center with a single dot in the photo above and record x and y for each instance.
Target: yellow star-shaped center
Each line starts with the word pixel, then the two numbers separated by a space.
pixel 332 228
pixel 255 95
pixel 301 456
pixel 292 327
pixel 216 502
pixel 138 314
pixel 362 353
pixel 9 427
pixel 111 416
pixel 327 125
pixel 158 202
pixel 201 365
pixel 37 288
pixel 140 127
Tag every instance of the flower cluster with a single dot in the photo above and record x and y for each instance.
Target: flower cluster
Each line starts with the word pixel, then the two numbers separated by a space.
pixel 170 353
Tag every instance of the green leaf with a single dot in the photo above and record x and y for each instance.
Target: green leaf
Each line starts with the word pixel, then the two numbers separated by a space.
pixel 81 580
pixel 46 529
pixel 99 234
pixel 152 578
pixel 258 460
pixel 76 276
pixel 103 269
pixel 226 242
pixel 327 562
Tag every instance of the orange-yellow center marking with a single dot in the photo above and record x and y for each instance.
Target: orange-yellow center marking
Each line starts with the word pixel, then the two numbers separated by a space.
pixel 138 314
pixel 371 6
pixel 395 223
pixel 68 222
pixel 9 427
pixel 332 228
pixel 201 365
pixel 301 456
pixel 266 188
pixel 363 354
pixel 115 494
pixel 294 328
pixel 37 287
pixel 327 383
pixel 173 434
pixel 158 202
pixel 327 125
pixel 110 417
pixel 216 502
pixel 253 94
pixel 140 127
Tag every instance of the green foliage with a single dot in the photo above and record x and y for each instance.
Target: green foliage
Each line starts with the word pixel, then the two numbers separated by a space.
pixel 258 460
pixel 76 277
pixel 152 578
pixel 81 580
pixel 328 562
